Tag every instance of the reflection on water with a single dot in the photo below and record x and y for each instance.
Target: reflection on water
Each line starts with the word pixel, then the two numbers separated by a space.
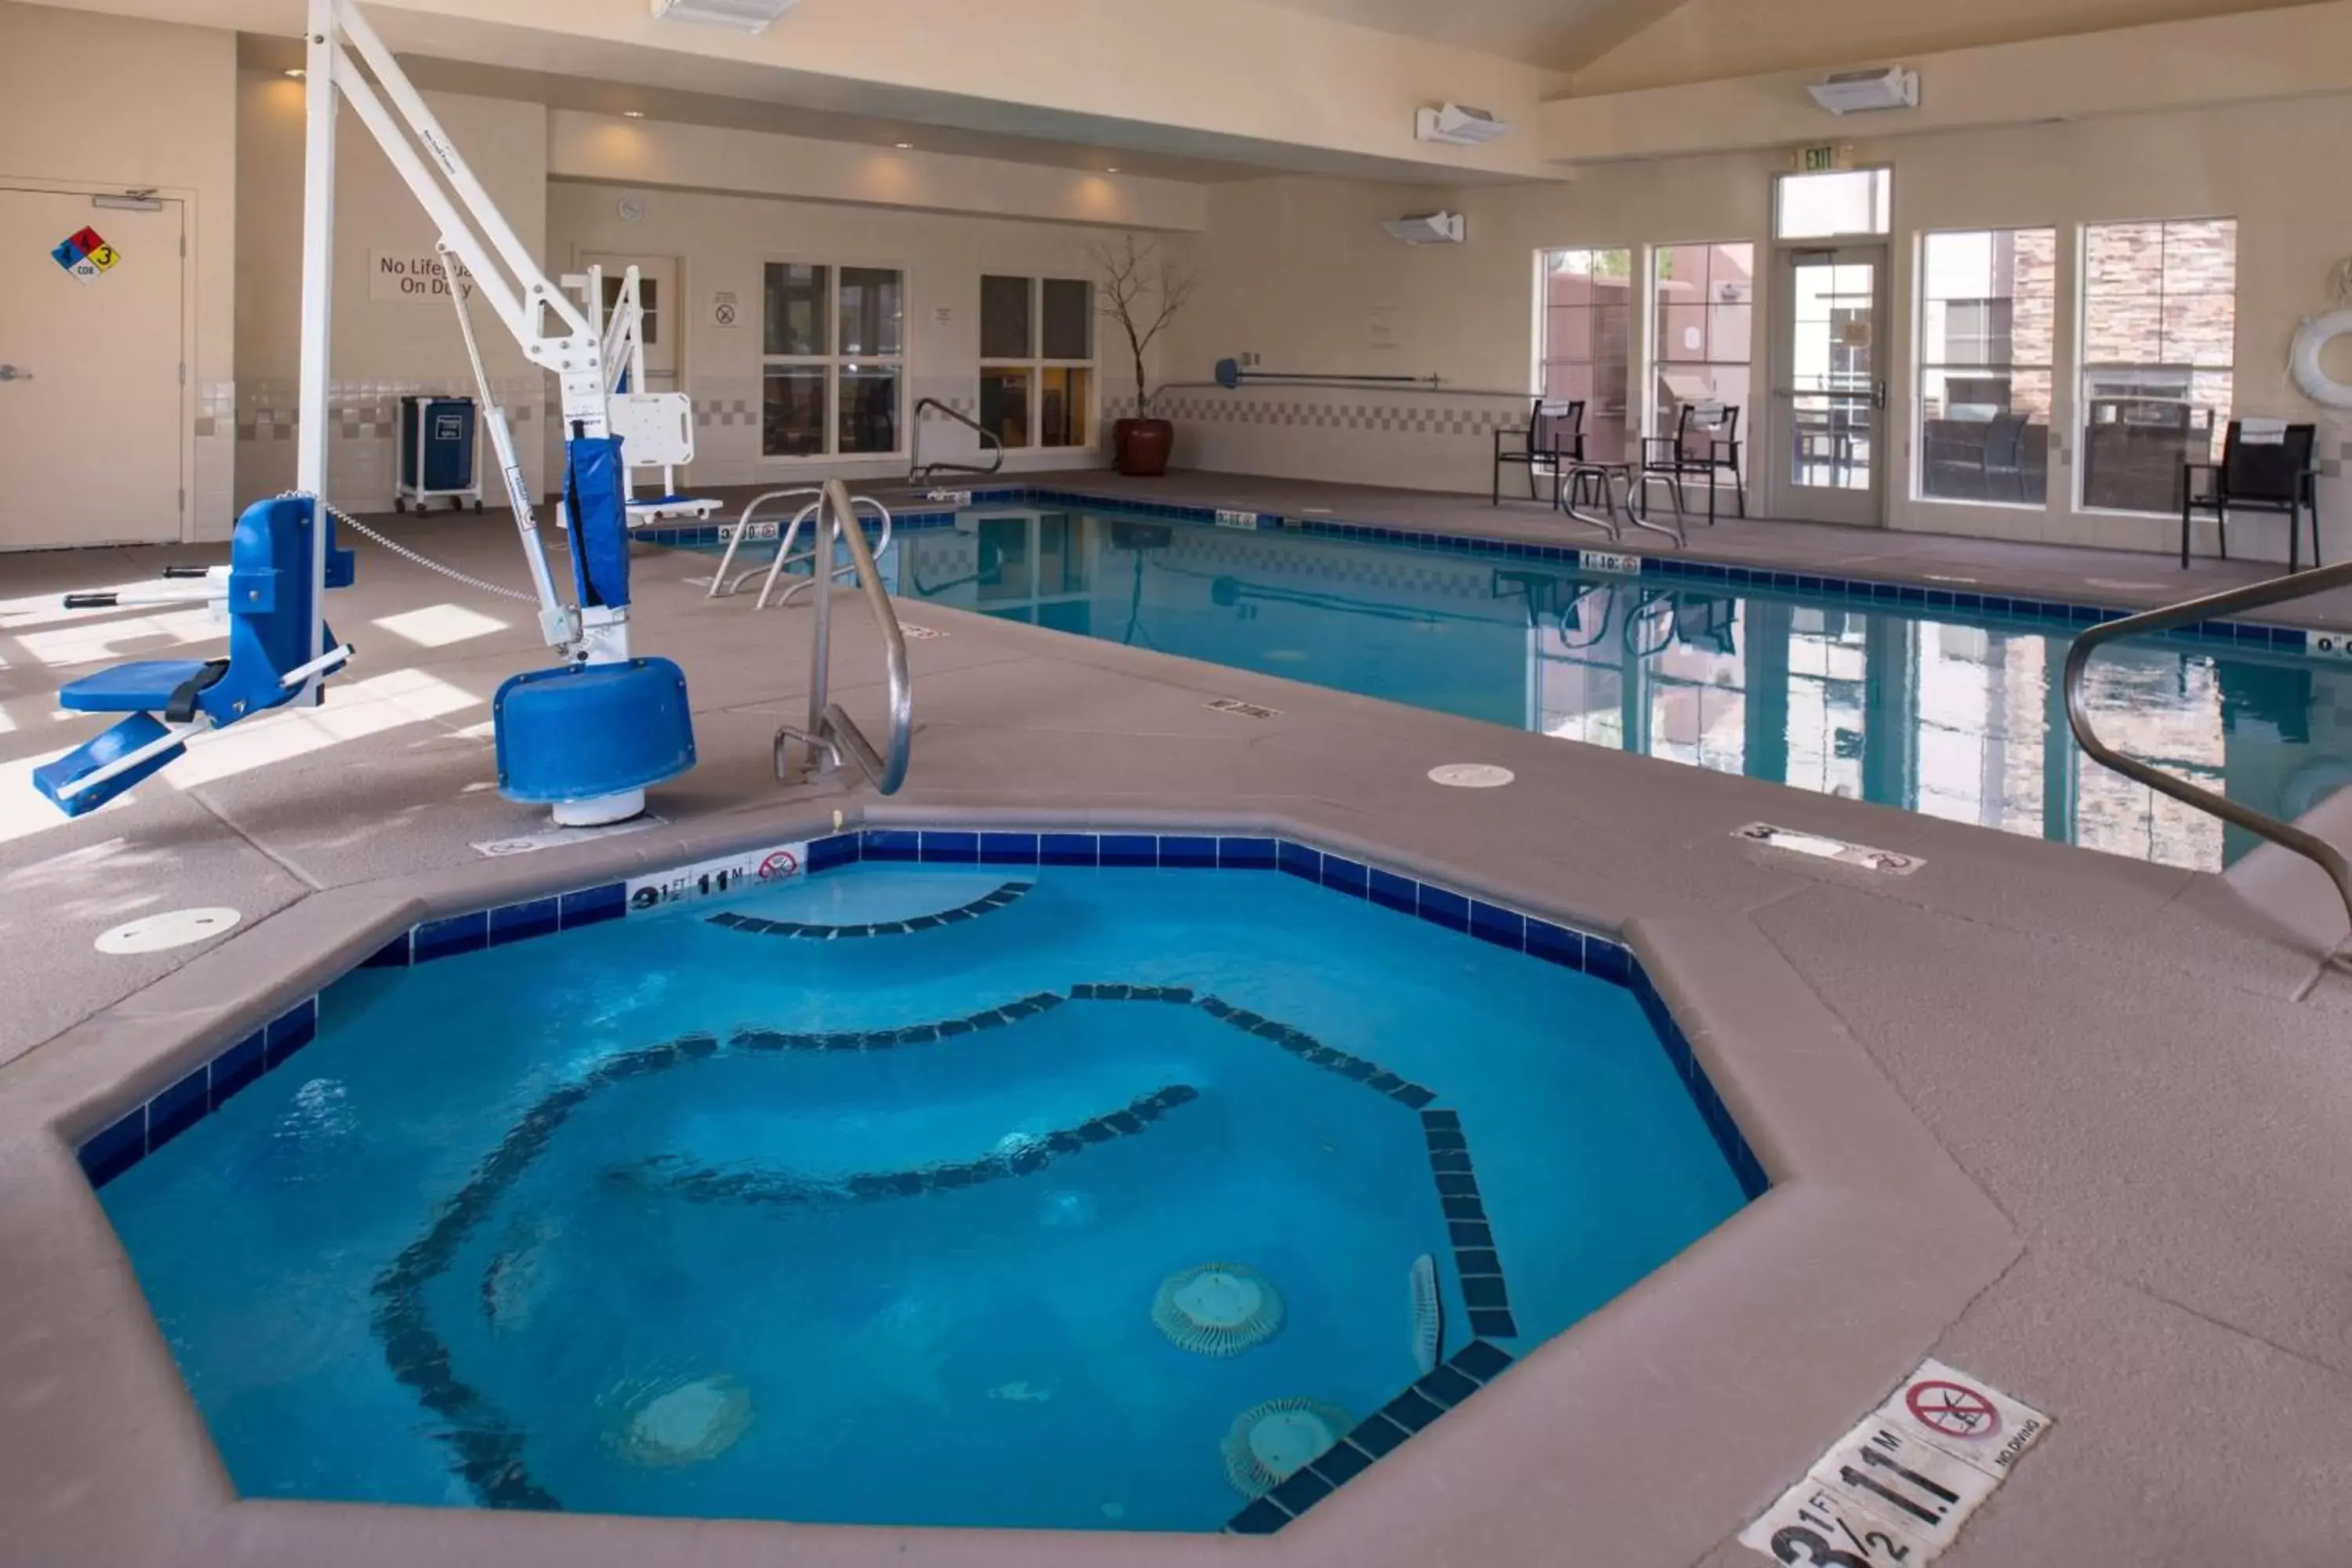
pixel 1952 717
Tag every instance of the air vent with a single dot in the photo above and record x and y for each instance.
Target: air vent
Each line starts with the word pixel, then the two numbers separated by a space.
pixel 735 16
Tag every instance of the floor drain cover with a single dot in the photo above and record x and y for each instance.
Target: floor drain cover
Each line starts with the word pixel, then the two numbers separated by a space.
pixel 1472 776
pixel 174 928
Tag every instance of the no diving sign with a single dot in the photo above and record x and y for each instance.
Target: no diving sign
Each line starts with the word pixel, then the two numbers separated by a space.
pixel 1895 1490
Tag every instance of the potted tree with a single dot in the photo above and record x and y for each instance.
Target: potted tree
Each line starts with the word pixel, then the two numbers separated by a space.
pixel 1142 290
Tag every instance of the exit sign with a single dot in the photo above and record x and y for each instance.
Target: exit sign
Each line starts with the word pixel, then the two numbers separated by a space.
pixel 1824 158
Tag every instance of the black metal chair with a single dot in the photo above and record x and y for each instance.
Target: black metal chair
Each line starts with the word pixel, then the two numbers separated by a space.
pixel 1704 444
pixel 1552 438
pixel 2269 468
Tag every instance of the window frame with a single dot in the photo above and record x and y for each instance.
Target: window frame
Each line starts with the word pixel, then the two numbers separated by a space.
pixel 2085 365
pixel 1922 367
pixel 1657 360
pixel 1035 362
pixel 835 363
pixel 1634 415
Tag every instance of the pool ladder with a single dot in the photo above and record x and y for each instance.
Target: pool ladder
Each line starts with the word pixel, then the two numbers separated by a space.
pixel 831 733
pixel 2235 601
pixel 723 585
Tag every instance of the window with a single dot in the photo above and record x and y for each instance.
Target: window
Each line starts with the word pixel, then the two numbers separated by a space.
pixel 1705 311
pixel 1824 207
pixel 834 350
pixel 1988 337
pixel 1037 352
pixel 2160 331
pixel 1588 341
pixel 649 306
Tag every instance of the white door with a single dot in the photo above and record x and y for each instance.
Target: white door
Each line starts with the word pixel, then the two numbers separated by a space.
pixel 92 402
pixel 657 295
pixel 1829 454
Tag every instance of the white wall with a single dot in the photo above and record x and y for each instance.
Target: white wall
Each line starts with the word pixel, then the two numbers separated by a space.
pixel 1299 265
pixel 381 349
pixel 102 102
pixel 723 242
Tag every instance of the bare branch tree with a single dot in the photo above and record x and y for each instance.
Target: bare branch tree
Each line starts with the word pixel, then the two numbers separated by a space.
pixel 1143 289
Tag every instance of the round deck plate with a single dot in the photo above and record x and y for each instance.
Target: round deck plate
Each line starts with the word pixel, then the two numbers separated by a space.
pixel 1471 775
pixel 173 927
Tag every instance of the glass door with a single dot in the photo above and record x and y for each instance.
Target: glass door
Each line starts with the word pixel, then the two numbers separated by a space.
pixel 1830 454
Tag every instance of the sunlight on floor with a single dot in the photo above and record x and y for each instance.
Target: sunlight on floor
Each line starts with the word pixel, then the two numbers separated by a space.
pixel 353 711
pixel 438 626
pixel 93 640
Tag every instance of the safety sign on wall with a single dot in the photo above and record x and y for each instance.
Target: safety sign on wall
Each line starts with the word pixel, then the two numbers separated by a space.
pixel 86 257
pixel 1896 1488
pixel 726 311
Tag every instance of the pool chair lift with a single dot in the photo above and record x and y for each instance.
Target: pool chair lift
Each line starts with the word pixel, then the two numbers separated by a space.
pixel 585 737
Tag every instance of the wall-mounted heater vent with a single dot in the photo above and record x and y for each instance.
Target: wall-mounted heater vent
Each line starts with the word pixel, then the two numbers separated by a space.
pixel 1428 228
pixel 1848 91
pixel 1457 124
pixel 736 15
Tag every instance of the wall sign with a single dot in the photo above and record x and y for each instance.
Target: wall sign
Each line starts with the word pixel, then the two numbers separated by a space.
pixel 726 310
pixel 412 278
pixel 86 257
pixel 1821 159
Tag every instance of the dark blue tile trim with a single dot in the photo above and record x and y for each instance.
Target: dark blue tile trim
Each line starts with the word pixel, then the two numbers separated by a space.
pixel 520 922
pixel 450 937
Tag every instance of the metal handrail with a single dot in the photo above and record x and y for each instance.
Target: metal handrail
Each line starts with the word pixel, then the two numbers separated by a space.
pixel 2254 596
pixel 785 559
pixel 918 469
pixel 742 531
pixel 830 732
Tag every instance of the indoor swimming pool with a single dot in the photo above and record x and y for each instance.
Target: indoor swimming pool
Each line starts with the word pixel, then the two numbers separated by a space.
pixel 1952 713
pixel 1059 1193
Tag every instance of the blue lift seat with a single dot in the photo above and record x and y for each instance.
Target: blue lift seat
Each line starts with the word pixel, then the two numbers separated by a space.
pixel 268 603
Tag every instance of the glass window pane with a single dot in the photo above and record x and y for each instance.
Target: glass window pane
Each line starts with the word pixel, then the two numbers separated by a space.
pixel 1004 403
pixel 1588 340
pixel 1064 405
pixel 1005 318
pixel 1846 200
pixel 1069 319
pixel 791 412
pixel 2159 329
pixel 873 305
pixel 796 305
pixel 869 408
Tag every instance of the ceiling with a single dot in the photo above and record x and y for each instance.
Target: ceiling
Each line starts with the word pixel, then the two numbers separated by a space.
pixel 1560 35
pixel 964 127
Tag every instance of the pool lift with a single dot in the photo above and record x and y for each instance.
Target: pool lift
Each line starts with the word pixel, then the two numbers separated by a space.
pixel 656 428
pixel 585 737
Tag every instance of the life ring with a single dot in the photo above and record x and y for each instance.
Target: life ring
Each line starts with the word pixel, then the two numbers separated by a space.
pixel 2303 359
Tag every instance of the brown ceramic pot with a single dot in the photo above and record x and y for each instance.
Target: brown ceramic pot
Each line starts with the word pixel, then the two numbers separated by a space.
pixel 1141 446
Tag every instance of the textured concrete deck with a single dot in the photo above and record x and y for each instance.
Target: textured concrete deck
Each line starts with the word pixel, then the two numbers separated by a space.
pixel 2075 1125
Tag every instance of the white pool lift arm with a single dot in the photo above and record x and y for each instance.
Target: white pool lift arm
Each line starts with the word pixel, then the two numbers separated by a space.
pixel 349 62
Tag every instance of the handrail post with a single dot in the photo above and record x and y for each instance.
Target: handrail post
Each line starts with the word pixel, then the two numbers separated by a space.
pixel 2253 596
pixel 821 655
pixel 831 730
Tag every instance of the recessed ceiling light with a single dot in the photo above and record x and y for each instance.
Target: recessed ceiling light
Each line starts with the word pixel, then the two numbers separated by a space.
pixel 298 73
pixel 904 147
pixel 633 114
pixel 1113 169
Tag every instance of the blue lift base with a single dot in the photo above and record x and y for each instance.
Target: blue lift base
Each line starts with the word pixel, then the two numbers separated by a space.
pixel 585 732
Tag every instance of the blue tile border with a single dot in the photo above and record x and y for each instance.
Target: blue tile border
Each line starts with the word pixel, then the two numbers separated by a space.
pixel 132 1137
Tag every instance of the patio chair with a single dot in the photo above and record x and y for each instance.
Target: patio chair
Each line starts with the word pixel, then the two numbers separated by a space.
pixel 1552 438
pixel 2266 466
pixel 1705 445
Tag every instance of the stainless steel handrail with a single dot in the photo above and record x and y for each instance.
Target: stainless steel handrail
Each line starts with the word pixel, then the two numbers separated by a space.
pixel 785 559
pixel 718 581
pixel 2233 601
pixel 830 732
pixel 918 469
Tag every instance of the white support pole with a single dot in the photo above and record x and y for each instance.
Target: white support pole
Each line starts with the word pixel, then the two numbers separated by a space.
pixel 318 305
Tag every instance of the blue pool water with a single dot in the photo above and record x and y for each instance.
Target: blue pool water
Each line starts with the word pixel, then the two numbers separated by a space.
pixel 704 1212
pixel 1956 715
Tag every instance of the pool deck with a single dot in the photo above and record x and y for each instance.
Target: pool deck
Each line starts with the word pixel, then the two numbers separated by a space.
pixel 2078 1125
